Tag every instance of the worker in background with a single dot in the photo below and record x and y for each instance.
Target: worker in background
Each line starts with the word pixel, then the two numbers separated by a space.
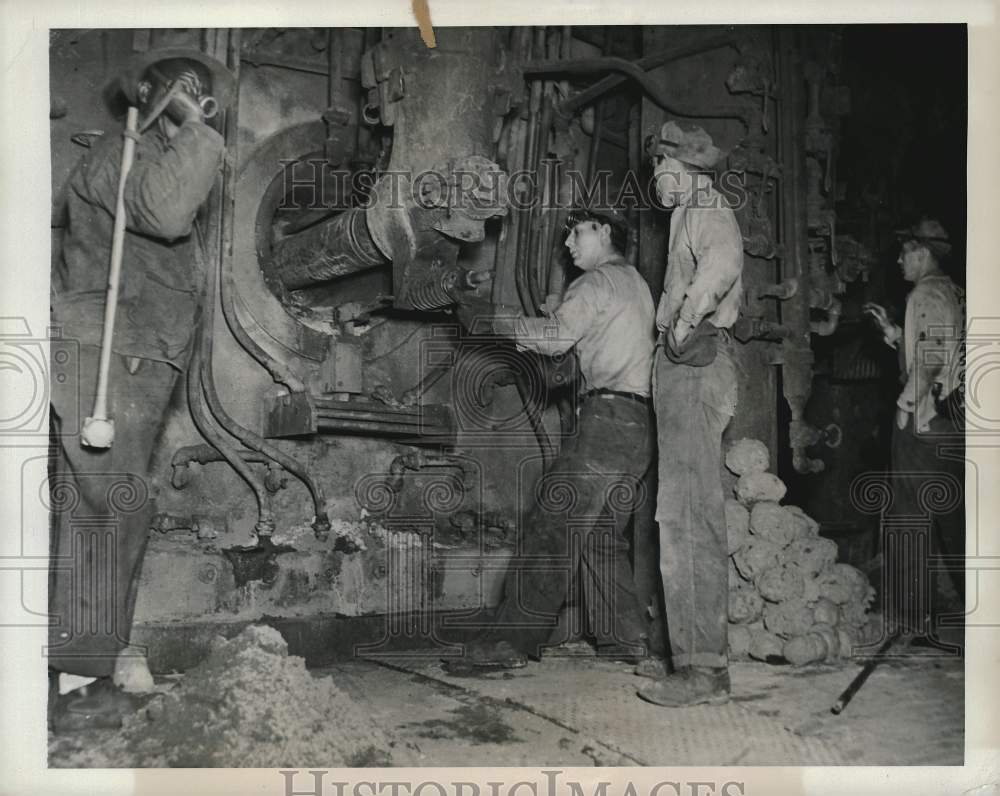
pixel 695 390
pixel 930 343
pixel 100 497
pixel 585 499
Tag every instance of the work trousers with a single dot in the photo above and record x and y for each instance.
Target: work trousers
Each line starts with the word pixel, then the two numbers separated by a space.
pixel 100 504
pixel 693 407
pixel 577 525
pixel 926 519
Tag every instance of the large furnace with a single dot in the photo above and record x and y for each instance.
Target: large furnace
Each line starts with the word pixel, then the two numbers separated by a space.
pixel 347 460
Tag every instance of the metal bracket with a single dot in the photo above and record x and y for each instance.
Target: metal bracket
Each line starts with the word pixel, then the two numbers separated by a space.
pixel 291 415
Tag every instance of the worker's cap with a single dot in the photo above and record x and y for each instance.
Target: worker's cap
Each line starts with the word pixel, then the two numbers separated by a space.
pixel 685 142
pixel 223 87
pixel 930 233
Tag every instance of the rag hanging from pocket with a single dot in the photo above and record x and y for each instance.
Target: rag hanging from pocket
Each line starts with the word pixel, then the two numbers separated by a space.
pixel 698 350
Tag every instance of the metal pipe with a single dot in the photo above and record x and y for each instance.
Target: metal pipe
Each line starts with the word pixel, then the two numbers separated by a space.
pixel 595 141
pixel 331 411
pixel 859 680
pixel 588 66
pixel 539 220
pixel 199 413
pixel 380 428
pixel 334 45
pixel 522 276
pixel 295 65
pixel 203 454
pixel 783 290
pixel 534 413
pixel 647 63
pixel 634 140
pixel 555 278
pixel 415 415
pixel 338 247
pixel 418 461
pixel 196 399
pixel 556 273
pixel 278 370
pixel 528 252
pixel 539 226
pixel 550 204
pixel 321 522
pixel 340 141
pixel 637 73
pixel 510 227
pixel 797 352
pixel 547 255
pixel 413 395
pixel 565 51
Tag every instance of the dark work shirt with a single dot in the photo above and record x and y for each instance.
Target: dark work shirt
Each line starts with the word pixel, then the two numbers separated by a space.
pixel 162 278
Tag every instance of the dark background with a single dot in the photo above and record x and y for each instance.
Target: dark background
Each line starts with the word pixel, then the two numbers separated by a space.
pixel 903 146
pixel 902 154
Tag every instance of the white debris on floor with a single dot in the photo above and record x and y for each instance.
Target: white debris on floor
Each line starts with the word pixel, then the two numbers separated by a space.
pixel 249 704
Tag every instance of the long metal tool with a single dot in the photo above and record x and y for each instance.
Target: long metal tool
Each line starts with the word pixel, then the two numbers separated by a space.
pixel 862 676
pixel 99 430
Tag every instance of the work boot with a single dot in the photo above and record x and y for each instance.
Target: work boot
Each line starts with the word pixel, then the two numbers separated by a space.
pixel 97 705
pixel 484 657
pixel 693 685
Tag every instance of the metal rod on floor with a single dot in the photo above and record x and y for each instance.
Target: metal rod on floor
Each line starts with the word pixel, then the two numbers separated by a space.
pixel 863 675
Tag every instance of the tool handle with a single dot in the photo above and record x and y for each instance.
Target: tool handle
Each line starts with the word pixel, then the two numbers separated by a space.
pixel 114 272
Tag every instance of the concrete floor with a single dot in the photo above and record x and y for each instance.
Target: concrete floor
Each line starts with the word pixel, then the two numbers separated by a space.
pixel 577 710
pixel 582 711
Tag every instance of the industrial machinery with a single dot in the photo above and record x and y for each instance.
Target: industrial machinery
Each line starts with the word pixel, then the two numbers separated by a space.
pixel 347 449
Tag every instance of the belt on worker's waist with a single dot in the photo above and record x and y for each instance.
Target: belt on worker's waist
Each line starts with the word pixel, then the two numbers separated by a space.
pixel 632 396
pixel 725 336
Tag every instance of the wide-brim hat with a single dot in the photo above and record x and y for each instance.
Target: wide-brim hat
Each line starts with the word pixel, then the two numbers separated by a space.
pixel 930 233
pixel 223 82
pixel 687 143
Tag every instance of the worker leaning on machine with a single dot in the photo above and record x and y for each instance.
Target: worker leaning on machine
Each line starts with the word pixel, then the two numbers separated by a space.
pixel 177 158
